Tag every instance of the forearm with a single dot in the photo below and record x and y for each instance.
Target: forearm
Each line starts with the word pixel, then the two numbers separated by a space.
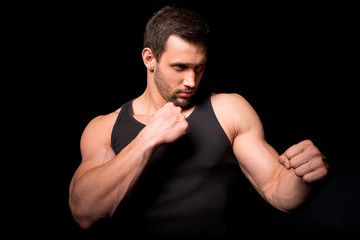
pixel 290 191
pixel 96 193
pixel 100 183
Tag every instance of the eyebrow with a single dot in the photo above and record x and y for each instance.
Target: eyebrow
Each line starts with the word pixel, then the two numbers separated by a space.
pixel 188 64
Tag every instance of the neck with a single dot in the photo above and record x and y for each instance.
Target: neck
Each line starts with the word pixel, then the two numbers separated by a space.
pixel 148 103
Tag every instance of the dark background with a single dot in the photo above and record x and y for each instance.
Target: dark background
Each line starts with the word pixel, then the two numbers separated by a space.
pixel 295 63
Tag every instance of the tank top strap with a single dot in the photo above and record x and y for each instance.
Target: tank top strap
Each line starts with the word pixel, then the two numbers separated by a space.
pixel 125 128
pixel 205 118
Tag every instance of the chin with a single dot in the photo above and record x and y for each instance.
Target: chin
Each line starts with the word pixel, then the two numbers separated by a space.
pixel 181 102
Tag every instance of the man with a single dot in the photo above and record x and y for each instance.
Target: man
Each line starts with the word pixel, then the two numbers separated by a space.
pixel 164 166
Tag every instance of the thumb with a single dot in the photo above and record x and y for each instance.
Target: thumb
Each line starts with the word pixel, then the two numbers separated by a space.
pixel 284 161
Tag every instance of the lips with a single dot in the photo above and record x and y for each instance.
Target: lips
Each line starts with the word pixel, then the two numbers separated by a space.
pixel 186 94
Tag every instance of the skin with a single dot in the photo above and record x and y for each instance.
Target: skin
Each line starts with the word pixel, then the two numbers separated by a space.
pixel 103 178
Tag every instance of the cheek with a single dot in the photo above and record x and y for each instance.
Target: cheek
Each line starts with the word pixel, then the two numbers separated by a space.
pixel 198 78
pixel 164 82
pixel 174 79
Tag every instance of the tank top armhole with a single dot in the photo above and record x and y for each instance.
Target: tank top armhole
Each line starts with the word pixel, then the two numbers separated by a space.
pixel 116 124
pixel 218 122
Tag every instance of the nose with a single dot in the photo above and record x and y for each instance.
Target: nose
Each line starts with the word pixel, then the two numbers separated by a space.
pixel 189 80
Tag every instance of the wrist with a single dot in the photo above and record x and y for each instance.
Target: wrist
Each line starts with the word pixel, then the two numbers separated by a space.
pixel 148 142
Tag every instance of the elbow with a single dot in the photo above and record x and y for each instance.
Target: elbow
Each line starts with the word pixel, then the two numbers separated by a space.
pixel 84 218
pixel 285 209
pixel 287 205
pixel 85 221
pixel 87 213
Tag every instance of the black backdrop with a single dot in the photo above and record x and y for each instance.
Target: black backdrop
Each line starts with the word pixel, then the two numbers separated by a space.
pixel 295 63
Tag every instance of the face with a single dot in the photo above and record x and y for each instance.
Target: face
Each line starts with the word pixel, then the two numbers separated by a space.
pixel 177 75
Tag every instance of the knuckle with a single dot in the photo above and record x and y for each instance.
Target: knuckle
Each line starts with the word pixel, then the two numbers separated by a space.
pixel 323 172
pixel 282 158
pixel 298 172
pixel 186 130
pixel 170 104
pixel 175 109
pixel 185 124
pixel 314 151
pixel 167 106
pixel 307 142
pixel 294 165
pixel 287 155
pixel 308 178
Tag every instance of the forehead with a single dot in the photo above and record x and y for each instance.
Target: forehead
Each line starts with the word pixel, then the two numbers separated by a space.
pixel 179 50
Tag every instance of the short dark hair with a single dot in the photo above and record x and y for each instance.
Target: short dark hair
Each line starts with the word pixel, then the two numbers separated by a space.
pixel 178 21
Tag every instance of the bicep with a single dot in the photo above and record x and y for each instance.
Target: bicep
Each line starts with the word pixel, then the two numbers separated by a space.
pixel 95 147
pixel 258 160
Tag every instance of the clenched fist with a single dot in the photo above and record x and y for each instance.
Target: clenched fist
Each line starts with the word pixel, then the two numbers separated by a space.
pixel 306 160
pixel 168 124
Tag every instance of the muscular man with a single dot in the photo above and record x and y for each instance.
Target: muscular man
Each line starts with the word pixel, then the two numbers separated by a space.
pixel 162 165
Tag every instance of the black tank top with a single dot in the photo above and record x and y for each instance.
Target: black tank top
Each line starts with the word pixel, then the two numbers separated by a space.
pixel 189 188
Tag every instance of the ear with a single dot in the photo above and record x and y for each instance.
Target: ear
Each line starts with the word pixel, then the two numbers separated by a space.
pixel 149 59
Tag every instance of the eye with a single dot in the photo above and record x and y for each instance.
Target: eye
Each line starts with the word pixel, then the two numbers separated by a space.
pixel 199 68
pixel 180 67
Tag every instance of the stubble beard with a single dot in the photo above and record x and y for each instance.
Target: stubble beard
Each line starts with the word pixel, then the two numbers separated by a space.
pixel 165 91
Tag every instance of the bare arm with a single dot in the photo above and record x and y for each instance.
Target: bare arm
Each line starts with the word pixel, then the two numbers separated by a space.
pixel 283 180
pixel 276 184
pixel 103 178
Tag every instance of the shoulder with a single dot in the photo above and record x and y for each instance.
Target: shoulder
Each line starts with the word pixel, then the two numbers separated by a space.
pixel 229 100
pixel 100 128
pixel 232 104
pixel 235 113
